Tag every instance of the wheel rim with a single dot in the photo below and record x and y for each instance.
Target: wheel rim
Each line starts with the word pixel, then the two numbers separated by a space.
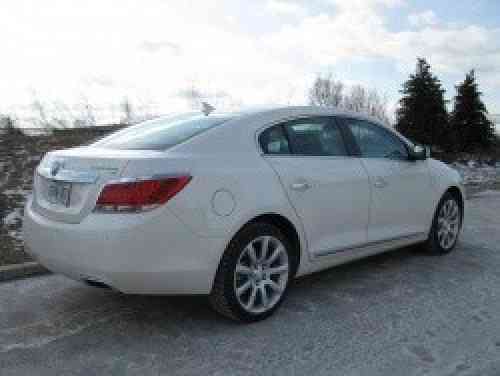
pixel 448 224
pixel 261 274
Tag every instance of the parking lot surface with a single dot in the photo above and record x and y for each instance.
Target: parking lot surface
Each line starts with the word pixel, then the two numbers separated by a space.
pixel 400 313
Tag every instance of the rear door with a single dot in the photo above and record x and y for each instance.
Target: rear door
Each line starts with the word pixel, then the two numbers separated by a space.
pixel 327 187
pixel 400 187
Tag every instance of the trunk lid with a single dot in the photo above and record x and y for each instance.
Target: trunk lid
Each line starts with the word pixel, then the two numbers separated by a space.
pixel 67 182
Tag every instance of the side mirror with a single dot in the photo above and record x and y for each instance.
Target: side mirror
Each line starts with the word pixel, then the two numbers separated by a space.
pixel 420 153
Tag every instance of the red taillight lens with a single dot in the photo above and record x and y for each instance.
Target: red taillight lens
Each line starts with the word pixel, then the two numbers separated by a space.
pixel 140 195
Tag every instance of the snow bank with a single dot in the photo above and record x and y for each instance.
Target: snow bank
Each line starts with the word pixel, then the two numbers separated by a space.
pixel 475 173
pixel 12 218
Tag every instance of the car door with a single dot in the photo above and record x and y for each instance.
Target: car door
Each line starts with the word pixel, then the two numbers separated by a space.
pixel 401 204
pixel 327 187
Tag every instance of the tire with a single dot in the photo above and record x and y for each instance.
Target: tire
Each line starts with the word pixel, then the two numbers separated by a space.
pixel 257 289
pixel 452 224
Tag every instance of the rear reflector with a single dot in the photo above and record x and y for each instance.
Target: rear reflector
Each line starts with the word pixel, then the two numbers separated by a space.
pixel 139 195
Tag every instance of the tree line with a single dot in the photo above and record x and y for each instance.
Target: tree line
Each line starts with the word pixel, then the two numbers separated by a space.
pixel 422 114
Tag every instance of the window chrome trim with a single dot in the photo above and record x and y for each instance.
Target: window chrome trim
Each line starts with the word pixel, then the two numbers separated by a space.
pixel 341 157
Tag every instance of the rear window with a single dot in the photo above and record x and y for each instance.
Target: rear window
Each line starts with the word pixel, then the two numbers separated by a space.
pixel 161 134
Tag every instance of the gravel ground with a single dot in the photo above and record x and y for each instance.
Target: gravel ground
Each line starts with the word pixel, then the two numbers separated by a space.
pixel 398 313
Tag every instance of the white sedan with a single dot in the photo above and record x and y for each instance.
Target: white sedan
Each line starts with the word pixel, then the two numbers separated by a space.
pixel 235 205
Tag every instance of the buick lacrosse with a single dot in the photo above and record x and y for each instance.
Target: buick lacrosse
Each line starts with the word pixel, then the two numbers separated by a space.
pixel 235 205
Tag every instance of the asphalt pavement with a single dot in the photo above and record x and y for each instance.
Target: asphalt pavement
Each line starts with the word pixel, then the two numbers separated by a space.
pixel 400 313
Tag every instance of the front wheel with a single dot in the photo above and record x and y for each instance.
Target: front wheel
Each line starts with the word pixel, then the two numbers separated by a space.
pixel 446 226
pixel 253 275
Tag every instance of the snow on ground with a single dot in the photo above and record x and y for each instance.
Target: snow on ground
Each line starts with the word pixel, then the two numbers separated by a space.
pixel 487 194
pixel 19 192
pixel 13 217
pixel 475 173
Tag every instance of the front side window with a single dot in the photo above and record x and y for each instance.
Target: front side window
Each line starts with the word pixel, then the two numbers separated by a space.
pixel 376 142
pixel 161 134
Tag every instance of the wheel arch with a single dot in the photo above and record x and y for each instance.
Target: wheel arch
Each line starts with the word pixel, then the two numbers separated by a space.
pixel 457 193
pixel 287 227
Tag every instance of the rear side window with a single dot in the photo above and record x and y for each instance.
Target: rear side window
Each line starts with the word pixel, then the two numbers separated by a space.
pixel 315 137
pixel 161 134
pixel 307 137
pixel 273 141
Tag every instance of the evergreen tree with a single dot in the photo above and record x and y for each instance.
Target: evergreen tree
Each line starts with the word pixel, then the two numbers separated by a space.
pixel 422 114
pixel 472 129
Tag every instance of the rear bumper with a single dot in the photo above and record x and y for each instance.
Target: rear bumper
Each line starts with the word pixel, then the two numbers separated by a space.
pixel 152 253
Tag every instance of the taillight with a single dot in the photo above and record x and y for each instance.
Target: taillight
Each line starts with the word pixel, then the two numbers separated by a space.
pixel 140 195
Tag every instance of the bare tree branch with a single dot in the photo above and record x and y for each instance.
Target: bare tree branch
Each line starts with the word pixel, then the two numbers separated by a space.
pixel 328 92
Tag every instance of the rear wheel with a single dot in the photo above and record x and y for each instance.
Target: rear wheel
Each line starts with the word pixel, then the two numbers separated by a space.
pixel 446 226
pixel 253 275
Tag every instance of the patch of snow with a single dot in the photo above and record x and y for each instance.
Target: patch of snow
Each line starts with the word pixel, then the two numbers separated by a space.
pixel 475 173
pixel 12 218
pixel 487 193
pixel 17 235
pixel 19 192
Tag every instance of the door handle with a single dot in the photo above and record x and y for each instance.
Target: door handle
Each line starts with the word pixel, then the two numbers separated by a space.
pixel 380 182
pixel 302 186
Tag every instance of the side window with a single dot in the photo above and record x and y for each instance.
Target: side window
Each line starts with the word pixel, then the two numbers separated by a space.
pixel 274 141
pixel 315 137
pixel 376 142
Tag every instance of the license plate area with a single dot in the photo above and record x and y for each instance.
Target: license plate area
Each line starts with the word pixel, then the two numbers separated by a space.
pixel 59 193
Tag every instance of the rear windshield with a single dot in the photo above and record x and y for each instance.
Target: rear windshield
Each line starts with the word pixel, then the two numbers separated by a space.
pixel 161 134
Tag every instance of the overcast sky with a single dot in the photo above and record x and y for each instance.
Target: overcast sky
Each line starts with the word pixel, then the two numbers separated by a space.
pixel 258 52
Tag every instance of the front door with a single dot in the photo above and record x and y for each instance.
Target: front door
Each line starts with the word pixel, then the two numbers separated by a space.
pixel 400 203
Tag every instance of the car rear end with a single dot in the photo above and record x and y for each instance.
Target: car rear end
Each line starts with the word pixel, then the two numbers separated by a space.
pixel 101 214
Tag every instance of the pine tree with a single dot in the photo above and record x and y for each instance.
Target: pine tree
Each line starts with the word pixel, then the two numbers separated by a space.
pixel 472 128
pixel 422 114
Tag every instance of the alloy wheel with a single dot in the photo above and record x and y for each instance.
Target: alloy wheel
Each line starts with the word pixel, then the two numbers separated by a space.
pixel 261 274
pixel 448 224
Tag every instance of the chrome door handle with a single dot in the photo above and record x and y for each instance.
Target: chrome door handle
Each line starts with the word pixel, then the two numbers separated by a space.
pixel 300 186
pixel 380 182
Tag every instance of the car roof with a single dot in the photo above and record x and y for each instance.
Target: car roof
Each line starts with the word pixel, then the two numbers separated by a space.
pixel 292 110
pixel 278 111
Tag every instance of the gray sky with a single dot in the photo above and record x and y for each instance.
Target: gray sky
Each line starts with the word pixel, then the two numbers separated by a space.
pixel 258 52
